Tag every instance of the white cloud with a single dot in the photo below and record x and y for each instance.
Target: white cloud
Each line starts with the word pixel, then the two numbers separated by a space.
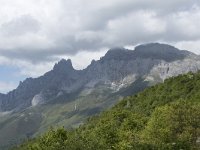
pixel 66 27
pixel 193 45
pixel 19 26
pixel 7 86
pixel 80 61
pixel 183 26
pixel 35 34
pixel 32 70
pixel 137 27
pixel 84 58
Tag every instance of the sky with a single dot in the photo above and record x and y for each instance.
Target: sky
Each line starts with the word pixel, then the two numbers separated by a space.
pixel 34 34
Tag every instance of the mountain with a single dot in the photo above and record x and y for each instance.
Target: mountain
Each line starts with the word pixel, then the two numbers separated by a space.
pixel 116 69
pixel 66 97
pixel 164 116
pixel 33 91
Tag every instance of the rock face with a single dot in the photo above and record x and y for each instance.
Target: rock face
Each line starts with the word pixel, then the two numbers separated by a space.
pixel 1 99
pixel 118 68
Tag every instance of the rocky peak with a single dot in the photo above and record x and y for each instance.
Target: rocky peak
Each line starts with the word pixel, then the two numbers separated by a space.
pixel 1 95
pixel 159 51
pixel 156 47
pixel 118 54
pixel 63 65
pixel 92 62
pixel 151 50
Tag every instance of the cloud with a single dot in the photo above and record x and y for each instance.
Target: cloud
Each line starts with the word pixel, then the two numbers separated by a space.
pixel 26 68
pixel 6 86
pixel 36 34
pixel 193 45
pixel 183 26
pixel 20 26
pixel 83 58
pixel 131 29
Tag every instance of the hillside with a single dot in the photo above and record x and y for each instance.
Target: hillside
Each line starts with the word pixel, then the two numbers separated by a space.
pixel 164 116
pixel 70 112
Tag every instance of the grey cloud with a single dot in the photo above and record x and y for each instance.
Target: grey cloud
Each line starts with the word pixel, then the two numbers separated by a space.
pixel 65 46
pixel 19 26
pixel 98 18
pixel 91 25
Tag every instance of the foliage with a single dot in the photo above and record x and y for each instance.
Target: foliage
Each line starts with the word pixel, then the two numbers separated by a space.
pixel 165 116
pixel 174 125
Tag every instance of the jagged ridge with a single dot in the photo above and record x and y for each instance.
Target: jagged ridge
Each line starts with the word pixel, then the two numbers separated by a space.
pixel 118 68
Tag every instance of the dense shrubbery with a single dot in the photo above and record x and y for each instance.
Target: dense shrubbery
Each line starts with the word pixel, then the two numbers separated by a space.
pixel 174 126
pixel 165 116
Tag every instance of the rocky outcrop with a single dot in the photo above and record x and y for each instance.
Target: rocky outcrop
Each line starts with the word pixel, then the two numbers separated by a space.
pixel 118 68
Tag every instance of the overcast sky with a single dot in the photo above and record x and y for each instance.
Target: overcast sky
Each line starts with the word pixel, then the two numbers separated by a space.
pixel 34 34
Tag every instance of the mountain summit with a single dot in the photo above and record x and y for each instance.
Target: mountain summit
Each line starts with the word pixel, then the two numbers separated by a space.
pixel 151 50
pixel 118 54
pixel 65 65
pixel 159 51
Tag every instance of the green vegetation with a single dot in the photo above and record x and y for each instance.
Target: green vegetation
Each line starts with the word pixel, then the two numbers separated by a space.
pixel 163 117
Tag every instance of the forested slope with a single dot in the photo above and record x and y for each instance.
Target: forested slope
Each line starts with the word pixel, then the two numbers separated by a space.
pixel 165 116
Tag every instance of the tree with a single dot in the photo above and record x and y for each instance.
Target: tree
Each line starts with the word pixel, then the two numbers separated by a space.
pixel 176 125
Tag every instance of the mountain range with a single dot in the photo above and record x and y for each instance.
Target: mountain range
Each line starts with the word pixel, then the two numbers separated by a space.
pixel 165 116
pixel 66 97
